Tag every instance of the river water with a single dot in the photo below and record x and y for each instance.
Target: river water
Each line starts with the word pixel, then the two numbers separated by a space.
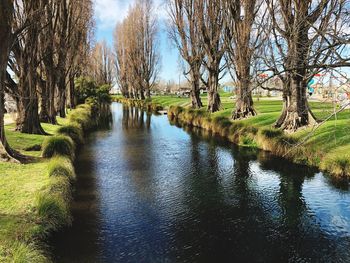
pixel 148 191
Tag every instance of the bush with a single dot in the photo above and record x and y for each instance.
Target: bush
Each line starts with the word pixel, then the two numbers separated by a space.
pixel 61 166
pixel 53 211
pixel 102 94
pixel 85 88
pixel 58 145
pixel 74 131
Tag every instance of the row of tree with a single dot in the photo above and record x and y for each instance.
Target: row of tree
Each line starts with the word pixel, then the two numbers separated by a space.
pixel 137 58
pixel 46 45
pixel 290 39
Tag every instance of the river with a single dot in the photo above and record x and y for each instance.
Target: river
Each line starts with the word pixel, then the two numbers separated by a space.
pixel 149 191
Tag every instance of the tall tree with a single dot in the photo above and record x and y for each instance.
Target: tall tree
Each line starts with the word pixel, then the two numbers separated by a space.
pixel 212 24
pixel 245 36
pixel 308 36
pixel 185 33
pixel 137 50
pixel 102 64
pixel 25 49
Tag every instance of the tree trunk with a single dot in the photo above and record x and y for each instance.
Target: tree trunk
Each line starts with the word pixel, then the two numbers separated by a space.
pixel 213 95
pixel 148 89
pixel 50 89
pixel 6 9
pixel 296 112
pixel 44 103
pixel 72 97
pixel 28 115
pixel 244 107
pixel 195 91
pixel 244 103
pixel 62 94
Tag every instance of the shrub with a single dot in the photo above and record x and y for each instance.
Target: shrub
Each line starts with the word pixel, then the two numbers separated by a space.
pixel 52 210
pixel 73 131
pixel 58 145
pixel 61 166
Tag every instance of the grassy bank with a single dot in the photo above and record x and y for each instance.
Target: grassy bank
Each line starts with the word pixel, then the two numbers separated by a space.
pixel 327 147
pixel 35 197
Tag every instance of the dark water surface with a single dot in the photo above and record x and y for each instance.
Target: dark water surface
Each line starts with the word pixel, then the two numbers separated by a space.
pixel 151 192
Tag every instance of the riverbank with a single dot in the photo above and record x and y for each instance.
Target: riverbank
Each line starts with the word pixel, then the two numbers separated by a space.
pixel 35 197
pixel 326 147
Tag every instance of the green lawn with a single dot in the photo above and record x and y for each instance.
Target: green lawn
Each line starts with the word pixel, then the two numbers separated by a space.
pixel 19 187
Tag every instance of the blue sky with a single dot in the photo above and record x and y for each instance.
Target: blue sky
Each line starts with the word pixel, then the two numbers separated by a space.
pixel 109 12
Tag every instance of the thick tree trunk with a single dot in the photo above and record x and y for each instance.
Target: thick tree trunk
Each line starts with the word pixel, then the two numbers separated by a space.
pixel 244 108
pixel 28 116
pixel 213 95
pixel 296 112
pixel 244 102
pixel 195 91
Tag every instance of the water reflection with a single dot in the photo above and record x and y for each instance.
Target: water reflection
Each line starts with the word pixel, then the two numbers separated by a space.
pixel 158 193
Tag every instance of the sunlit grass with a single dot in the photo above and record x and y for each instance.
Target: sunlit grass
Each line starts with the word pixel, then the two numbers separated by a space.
pixel 35 197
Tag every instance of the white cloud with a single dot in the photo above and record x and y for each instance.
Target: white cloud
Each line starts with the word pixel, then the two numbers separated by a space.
pixel 109 12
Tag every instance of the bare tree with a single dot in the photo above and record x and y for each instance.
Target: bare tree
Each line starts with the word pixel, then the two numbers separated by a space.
pixel 102 64
pixel 245 29
pixel 185 33
pixel 212 24
pixel 136 50
pixel 25 51
pixel 121 60
pixel 308 36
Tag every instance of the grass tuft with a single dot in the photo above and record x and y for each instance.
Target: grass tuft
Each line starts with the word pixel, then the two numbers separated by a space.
pixel 53 211
pixel 58 145
pixel 21 252
pixel 61 166
pixel 73 131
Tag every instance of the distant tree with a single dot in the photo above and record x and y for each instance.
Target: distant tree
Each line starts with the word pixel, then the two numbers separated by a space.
pixel 137 50
pixel 102 64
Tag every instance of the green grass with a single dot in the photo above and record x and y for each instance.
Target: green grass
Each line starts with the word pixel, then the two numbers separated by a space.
pixel 58 145
pixel 326 147
pixel 35 197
